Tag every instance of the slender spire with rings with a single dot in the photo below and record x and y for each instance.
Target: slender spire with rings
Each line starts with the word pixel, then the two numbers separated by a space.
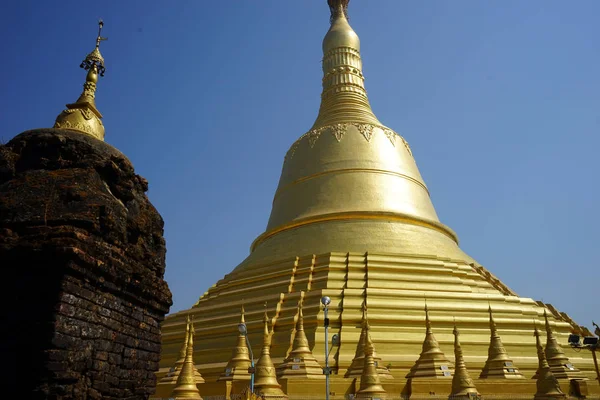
pixel 83 116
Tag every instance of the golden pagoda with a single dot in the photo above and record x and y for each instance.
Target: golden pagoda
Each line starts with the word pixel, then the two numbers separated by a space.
pixel 352 219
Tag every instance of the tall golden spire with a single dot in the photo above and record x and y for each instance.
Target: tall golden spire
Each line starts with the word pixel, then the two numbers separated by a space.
pixel 559 363
pixel 171 377
pixel 432 362
pixel 186 386
pixel 462 384
pixel 547 384
pixel 370 384
pixel 300 363
pixel 498 365
pixel 265 383
pixel 237 367
pixel 358 362
pixel 83 116
pixel 344 97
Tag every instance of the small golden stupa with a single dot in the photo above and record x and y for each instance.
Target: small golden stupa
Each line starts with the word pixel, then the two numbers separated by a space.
pixel 83 116
pixel 560 365
pixel 239 363
pixel 300 362
pixel 358 362
pixel 266 383
pixel 171 377
pixel 546 383
pixel 352 219
pixel 432 363
pixel 370 384
pixel 463 386
pixel 498 364
pixel 186 386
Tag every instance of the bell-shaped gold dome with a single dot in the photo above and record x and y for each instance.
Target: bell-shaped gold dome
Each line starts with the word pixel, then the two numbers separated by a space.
pixel 349 167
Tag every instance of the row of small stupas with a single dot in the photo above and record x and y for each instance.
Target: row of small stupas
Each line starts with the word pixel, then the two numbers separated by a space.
pixel 367 366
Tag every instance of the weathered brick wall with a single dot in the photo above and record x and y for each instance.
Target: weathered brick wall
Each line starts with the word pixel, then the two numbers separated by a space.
pixel 82 258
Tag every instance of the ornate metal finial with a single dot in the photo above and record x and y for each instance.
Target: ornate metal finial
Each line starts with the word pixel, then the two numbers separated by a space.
pixel 95 58
pixel 83 116
pixel 335 6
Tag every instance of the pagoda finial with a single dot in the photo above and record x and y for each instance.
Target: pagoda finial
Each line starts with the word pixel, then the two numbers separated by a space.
pixel 427 321
pixel 83 116
pixel 492 322
pixel 337 8
pixel 365 315
pixel 462 384
pixel 186 386
pixel 183 349
pixel 344 97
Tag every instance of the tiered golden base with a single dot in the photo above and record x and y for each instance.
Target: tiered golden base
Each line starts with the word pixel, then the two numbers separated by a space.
pixel 395 287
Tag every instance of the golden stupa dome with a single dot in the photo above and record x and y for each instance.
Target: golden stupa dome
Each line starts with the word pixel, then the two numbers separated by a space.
pixel 350 181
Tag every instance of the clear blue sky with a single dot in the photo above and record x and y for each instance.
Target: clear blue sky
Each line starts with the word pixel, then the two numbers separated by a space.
pixel 500 102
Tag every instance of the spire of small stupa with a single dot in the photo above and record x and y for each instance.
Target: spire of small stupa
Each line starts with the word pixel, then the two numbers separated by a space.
pixel 265 383
pixel 83 116
pixel 171 377
pixel 547 384
pixel 498 365
pixel 358 362
pixel 238 364
pixel 370 384
pixel 462 384
pixel 559 363
pixel 432 362
pixel 186 386
pixel 300 363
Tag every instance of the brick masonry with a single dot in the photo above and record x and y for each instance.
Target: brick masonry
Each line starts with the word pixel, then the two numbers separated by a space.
pixel 82 258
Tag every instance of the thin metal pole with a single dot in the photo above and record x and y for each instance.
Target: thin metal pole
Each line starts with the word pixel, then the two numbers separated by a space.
pixel 596 363
pixel 251 364
pixel 326 354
